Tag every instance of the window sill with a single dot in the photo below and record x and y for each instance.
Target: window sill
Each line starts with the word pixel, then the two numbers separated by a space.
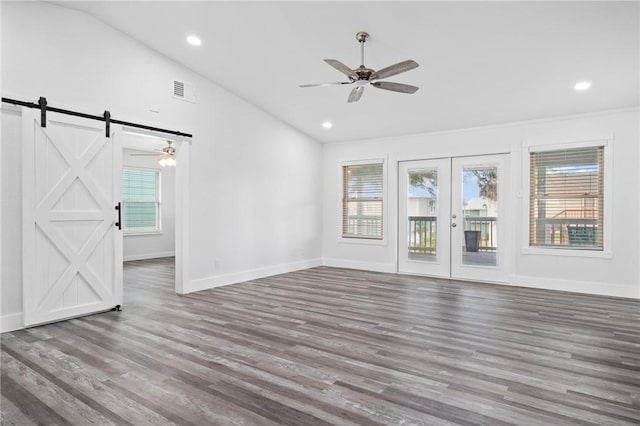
pixel 141 233
pixel 364 241
pixel 567 252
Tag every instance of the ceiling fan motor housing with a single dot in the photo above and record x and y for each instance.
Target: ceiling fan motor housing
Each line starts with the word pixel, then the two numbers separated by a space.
pixel 362 36
pixel 364 73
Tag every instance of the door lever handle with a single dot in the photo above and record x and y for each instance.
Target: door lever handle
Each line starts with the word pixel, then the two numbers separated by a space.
pixel 118 224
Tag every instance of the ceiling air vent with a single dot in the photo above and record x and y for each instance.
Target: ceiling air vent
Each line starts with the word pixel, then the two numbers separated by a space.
pixel 183 90
pixel 178 88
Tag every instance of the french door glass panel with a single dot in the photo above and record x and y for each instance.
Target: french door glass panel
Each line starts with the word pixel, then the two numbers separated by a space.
pixel 480 214
pixel 422 210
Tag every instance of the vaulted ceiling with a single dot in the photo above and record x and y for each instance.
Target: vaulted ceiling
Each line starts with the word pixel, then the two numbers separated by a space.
pixel 481 63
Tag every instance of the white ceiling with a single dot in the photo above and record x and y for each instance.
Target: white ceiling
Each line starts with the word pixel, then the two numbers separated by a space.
pixel 481 63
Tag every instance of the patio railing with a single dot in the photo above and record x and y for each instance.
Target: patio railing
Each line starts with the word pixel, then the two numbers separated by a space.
pixel 567 232
pixel 423 232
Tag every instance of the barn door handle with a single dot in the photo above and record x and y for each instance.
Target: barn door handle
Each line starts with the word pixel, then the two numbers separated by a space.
pixel 118 207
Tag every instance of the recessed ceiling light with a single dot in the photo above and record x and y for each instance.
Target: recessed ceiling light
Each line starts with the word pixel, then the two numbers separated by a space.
pixel 583 85
pixel 194 41
pixel 327 124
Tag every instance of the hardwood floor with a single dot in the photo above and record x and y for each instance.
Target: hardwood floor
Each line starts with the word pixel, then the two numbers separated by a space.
pixel 330 346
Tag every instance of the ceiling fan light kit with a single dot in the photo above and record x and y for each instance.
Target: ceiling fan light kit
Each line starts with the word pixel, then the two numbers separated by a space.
pixel 363 76
pixel 168 161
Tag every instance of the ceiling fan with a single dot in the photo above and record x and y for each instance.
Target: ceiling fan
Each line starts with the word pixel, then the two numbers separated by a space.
pixel 363 76
pixel 167 157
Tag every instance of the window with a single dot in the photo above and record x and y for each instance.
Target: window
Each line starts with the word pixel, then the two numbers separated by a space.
pixel 141 194
pixel 362 189
pixel 566 198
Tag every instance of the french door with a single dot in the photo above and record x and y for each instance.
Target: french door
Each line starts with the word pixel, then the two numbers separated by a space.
pixel 452 218
pixel 72 252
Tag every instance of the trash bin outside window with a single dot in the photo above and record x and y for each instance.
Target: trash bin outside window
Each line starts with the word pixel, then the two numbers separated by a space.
pixel 472 240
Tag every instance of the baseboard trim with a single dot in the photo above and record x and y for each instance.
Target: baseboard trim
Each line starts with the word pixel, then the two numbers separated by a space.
pixel 573 286
pixel 356 264
pixel 576 286
pixel 149 256
pixel 11 322
pixel 252 274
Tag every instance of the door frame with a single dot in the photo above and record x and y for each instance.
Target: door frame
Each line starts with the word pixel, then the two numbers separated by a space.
pixel 181 185
pixel 440 264
pixel 506 222
pixel 500 273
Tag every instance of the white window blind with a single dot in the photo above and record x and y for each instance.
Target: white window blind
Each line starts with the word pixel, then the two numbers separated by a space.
pixel 141 195
pixel 566 198
pixel 362 197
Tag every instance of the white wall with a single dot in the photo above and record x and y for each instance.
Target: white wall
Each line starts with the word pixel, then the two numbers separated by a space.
pixel 618 275
pixel 162 244
pixel 11 216
pixel 253 180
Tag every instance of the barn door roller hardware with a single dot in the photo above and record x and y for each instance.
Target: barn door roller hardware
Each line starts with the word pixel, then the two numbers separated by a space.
pixel 106 117
pixel 43 111
pixel 107 123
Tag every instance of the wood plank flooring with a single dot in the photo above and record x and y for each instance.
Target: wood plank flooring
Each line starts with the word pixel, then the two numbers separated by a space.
pixel 330 346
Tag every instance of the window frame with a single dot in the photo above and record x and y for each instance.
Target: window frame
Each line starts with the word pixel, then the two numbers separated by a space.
pixel 528 148
pixel 357 239
pixel 158 202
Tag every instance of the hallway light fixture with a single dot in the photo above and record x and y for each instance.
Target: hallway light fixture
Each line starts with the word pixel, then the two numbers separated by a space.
pixel 168 156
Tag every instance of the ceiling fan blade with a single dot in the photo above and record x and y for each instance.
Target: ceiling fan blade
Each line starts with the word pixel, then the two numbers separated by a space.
pixel 398 68
pixel 143 155
pixel 326 84
pixel 356 94
pixel 395 87
pixel 341 67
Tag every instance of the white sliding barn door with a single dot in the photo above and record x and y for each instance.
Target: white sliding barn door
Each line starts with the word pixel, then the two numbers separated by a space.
pixel 72 250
